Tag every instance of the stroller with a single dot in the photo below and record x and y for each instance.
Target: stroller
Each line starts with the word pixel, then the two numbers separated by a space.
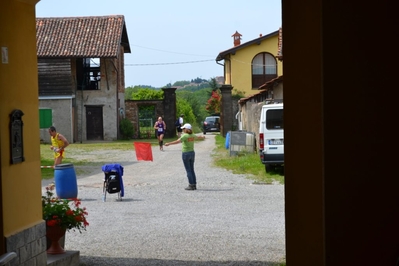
pixel 113 182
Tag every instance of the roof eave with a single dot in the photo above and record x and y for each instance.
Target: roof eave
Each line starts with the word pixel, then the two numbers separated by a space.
pixel 257 41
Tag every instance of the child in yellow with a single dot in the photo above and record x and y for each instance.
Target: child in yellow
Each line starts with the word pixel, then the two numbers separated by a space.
pixel 58 145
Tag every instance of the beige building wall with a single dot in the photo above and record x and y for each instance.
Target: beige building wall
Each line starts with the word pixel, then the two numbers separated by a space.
pixel 107 97
pixel 62 109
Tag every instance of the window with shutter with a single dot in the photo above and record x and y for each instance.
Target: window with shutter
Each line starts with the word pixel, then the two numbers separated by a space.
pixel 45 118
pixel 264 68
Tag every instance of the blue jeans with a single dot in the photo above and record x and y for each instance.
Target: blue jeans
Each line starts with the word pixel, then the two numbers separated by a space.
pixel 188 161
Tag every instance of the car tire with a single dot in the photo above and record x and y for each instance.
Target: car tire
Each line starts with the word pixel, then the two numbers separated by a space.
pixel 204 132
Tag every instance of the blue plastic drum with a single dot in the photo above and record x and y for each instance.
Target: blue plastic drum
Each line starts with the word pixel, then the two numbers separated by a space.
pixel 227 142
pixel 66 185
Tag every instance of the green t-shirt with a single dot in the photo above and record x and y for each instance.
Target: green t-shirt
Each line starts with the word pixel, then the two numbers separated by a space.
pixel 187 141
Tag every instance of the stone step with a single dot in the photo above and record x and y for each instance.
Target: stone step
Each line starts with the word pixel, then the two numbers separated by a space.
pixel 69 258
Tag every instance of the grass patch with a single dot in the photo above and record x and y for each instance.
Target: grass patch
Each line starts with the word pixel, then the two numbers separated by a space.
pixel 244 163
pixel 78 150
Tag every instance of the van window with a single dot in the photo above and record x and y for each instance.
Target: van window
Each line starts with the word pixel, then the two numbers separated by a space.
pixel 274 119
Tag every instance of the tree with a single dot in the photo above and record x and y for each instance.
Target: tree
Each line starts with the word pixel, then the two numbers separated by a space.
pixel 148 94
pixel 183 107
pixel 181 83
pixel 236 94
pixel 129 91
pixel 214 102
pixel 213 84
pixel 197 100
pixel 126 128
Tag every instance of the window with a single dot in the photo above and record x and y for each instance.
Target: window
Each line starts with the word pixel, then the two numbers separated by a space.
pixel 274 119
pixel 88 73
pixel 264 68
pixel 45 118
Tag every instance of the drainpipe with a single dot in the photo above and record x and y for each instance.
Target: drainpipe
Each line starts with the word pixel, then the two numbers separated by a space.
pixel 224 66
pixel 81 111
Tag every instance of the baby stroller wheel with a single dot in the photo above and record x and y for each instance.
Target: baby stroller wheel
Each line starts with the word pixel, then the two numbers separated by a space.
pixel 119 197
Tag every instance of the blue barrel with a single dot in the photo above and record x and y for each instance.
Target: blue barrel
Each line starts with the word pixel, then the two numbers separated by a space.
pixel 227 142
pixel 66 185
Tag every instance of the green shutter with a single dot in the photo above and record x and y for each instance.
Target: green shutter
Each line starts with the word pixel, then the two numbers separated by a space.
pixel 46 118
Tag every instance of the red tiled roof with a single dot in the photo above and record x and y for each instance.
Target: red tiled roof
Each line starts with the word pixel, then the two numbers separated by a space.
pixel 263 89
pixel 271 83
pixel 99 36
pixel 222 55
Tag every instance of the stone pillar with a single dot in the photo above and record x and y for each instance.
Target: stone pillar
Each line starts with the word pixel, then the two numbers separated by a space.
pixel 226 110
pixel 169 109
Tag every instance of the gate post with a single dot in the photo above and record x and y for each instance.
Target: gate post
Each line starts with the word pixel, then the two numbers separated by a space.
pixel 169 110
pixel 226 112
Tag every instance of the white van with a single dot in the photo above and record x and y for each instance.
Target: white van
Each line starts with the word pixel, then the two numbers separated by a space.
pixel 271 136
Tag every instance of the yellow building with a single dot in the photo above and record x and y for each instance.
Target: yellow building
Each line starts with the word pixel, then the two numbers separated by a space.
pixel 22 229
pixel 249 65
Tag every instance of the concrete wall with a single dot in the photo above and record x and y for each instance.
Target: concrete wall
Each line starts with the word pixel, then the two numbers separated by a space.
pixel 62 118
pixel 250 114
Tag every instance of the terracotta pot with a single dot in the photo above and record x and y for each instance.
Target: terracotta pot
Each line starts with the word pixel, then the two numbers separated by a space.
pixel 54 233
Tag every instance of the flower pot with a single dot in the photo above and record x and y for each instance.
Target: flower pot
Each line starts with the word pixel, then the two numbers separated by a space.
pixel 61 241
pixel 54 233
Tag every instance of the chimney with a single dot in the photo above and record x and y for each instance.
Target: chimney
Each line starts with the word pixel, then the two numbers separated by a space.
pixel 237 38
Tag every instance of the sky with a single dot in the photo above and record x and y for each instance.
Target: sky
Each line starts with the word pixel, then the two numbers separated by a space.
pixel 175 40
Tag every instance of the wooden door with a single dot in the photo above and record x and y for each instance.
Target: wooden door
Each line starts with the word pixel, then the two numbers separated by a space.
pixel 94 123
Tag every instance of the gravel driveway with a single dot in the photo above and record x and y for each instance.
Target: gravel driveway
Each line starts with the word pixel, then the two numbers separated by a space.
pixel 228 220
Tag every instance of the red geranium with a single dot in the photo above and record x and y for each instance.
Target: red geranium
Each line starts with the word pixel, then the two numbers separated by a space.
pixel 66 213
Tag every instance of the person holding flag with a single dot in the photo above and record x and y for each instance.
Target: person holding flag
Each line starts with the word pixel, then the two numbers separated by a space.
pixel 188 155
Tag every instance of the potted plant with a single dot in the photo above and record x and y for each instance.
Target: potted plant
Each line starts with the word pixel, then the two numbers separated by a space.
pixel 61 215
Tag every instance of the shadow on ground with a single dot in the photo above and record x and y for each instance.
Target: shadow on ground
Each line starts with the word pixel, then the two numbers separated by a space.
pixel 105 261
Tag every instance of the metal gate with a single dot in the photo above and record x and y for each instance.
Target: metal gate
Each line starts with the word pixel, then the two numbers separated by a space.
pixel 146 121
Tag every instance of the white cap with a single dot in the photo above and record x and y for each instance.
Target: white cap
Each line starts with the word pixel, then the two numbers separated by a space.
pixel 186 126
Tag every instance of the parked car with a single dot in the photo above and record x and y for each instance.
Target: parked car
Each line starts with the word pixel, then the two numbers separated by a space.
pixel 211 124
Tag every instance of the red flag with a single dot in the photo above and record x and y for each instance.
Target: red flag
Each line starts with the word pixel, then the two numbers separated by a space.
pixel 143 151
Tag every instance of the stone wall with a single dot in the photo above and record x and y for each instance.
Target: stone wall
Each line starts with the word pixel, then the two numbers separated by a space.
pixel 132 113
pixel 165 108
pixel 30 246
